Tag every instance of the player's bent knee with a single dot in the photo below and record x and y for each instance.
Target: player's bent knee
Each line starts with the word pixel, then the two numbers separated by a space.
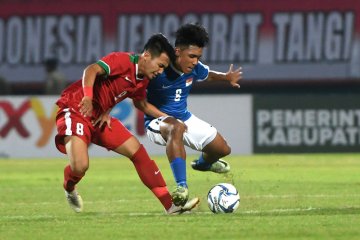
pixel 173 126
pixel 222 152
pixel 80 168
pixel 227 150
pixel 176 129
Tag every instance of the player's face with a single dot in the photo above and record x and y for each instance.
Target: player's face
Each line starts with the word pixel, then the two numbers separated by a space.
pixel 187 57
pixel 154 66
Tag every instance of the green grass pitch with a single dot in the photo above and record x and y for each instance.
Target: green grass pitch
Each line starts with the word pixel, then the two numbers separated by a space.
pixel 312 196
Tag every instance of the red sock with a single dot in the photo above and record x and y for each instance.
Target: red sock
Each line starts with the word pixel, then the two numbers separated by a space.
pixel 151 176
pixel 70 179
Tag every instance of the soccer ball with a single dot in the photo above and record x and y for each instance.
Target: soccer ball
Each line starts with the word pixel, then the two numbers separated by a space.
pixel 223 198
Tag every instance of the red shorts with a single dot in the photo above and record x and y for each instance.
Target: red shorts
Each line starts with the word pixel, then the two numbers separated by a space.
pixel 71 123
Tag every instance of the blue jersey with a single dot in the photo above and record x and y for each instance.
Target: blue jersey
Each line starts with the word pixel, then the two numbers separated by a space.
pixel 169 91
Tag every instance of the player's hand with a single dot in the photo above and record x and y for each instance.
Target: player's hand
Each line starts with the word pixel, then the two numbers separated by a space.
pixel 86 106
pixel 105 118
pixel 234 76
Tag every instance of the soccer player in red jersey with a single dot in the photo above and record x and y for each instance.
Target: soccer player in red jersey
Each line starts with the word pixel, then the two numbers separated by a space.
pixel 104 84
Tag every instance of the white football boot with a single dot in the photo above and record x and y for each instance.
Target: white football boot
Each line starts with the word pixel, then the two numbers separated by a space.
pixel 176 210
pixel 75 201
pixel 220 166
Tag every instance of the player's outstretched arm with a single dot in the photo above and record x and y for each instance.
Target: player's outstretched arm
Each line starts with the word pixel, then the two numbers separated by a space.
pixel 232 76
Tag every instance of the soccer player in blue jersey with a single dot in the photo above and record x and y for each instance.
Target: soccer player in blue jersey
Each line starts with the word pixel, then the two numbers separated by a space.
pixel 169 92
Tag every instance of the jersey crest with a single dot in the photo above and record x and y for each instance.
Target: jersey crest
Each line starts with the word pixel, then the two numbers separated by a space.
pixel 120 95
pixel 169 91
pixel 188 81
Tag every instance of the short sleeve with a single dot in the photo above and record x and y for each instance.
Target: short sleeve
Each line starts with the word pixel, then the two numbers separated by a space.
pixel 115 63
pixel 201 71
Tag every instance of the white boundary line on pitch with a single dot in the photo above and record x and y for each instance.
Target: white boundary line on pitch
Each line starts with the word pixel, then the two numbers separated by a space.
pixel 137 214
pixel 302 196
pixel 242 197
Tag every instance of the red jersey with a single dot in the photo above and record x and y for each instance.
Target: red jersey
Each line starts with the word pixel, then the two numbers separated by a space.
pixel 119 83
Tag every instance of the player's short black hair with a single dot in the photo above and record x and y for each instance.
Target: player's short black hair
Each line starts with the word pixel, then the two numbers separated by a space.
pixel 192 34
pixel 158 44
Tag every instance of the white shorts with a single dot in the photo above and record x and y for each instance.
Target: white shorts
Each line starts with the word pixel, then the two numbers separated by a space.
pixel 199 133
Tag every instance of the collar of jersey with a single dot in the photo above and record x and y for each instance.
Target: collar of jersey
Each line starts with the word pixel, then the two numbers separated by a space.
pixel 176 70
pixel 135 59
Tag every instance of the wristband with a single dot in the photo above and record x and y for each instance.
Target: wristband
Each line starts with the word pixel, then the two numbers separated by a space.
pixel 88 91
